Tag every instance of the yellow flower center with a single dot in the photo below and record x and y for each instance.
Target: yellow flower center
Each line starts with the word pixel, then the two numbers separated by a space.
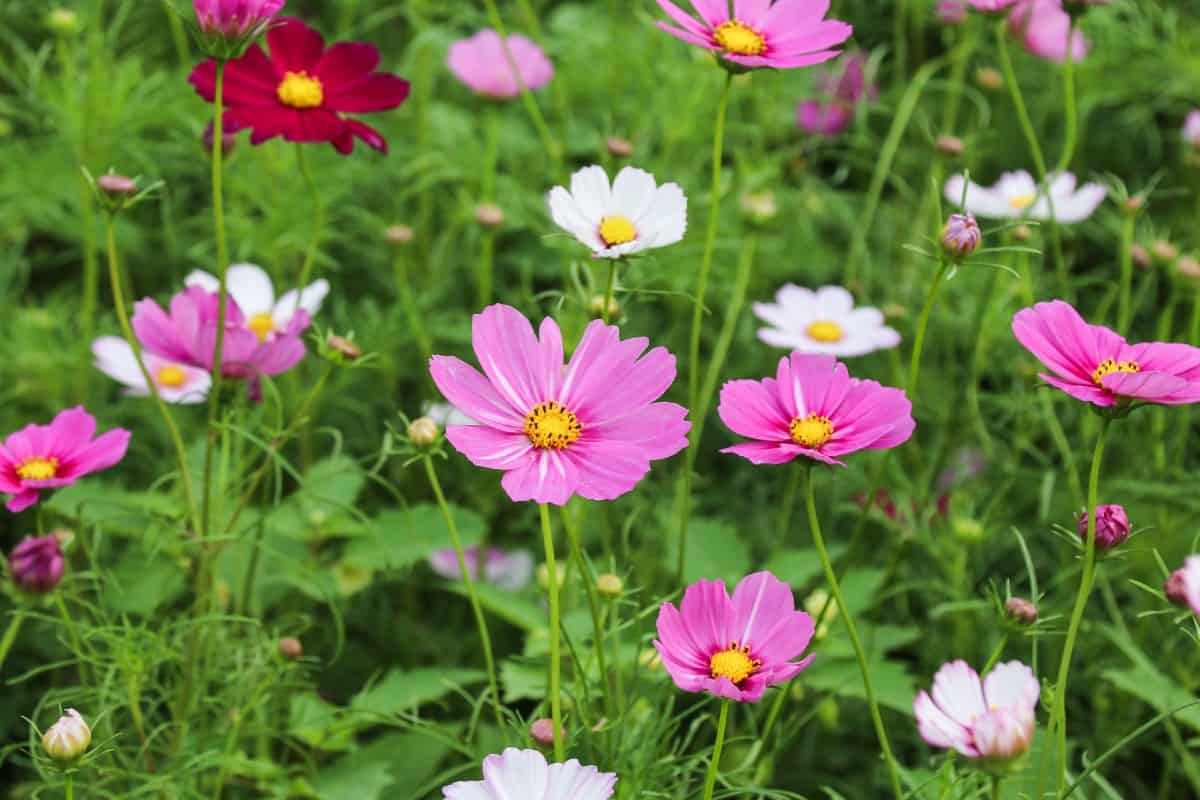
pixel 550 426
pixel 812 431
pixel 617 230
pixel 300 90
pixel 1108 366
pixel 739 38
pixel 1021 202
pixel 38 469
pixel 262 324
pixel 171 376
pixel 734 663
pixel 825 330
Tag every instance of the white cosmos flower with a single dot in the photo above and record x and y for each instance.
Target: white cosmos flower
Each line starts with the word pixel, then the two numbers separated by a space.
pixel 823 322
pixel 1015 196
pixel 632 215
pixel 252 290
pixel 525 775
pixel 177 383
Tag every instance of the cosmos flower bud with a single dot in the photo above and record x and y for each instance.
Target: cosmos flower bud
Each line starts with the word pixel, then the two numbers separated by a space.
pixel 948 145
pixel 235 20
pixel 489 215
pixel 1132 206
pixel 344 347
pixel 1188 268
pixel 989 78
pixel 1140 256
pixel 609 585
pixel 398 235
pixel 1164 251
pixel 423 432
pixel 618 147
pixel 63 21
pixel 1175 587
pixel 1112 526
pixel 1021 610
pixel 1022 233
pixel 759 207
pixel 291 648
pixel 67 739
pixel 116 185
pixel 961 235
pixel 596 307
pixel 36 563
pixel 542 732
pixel 543 575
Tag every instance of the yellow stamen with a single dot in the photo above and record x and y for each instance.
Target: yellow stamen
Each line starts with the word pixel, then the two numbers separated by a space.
pixel 739 38
pixel 825 330
pixel 1108 366
pixel 617 230
pixel 171 376
pixel 300 90
pixel 1022 201
pixel 262 324
pixel 38 469
pixel 550 426
pixel 812 431
pixel 734 663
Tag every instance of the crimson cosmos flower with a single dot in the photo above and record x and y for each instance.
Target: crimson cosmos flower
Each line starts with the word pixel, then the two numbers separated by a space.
pixel 302 89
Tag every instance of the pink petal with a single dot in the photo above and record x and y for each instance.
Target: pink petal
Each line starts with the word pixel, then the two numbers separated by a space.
pixel 958 692
pixel 489 448
pixel 690 38
pixel 659 430
pixel 466 389
pixel 1155 387
pixel 19 502
pixel 938 729
pixel 1087 392
pixel 752 409
pixel 549 477
pixel 676 640
pixel 759 601
pixel 607 470
pixel 714 12
pixel 687 21
pixel 107 450
pixel 705 610
pixel 71 430
pixel 508 351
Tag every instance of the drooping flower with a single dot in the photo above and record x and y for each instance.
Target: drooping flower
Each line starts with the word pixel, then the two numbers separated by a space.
pixel 36 563
pixel 1043 27
pixel 1096 365
pixel 1016 196
pixel 591 429
pixel 510 570
pixel 783 34
pixel 839 92
pixel 482 64
pixel 303 89
pixel 68 738
pixel 823 321
pixel 1191 128
pixel 40 457
pixel 632 215
pixel 1112 526
pixel 525 775
pixel 989 721
pixel 734 647
pixel 176 382
pixel 235 19
pixel 812 408
pixel 250 286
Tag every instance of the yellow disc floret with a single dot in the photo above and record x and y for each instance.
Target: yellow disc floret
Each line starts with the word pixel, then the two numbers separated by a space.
pixel 300 90
pixel 1108 366
pixel 734 663
pixel 550 426
pixel 38 469
pixel 739 38
pixel 171 376
pixel 617 230
pixel 262 324
pixel 1021 202
pixel 811 431
pixel 826 331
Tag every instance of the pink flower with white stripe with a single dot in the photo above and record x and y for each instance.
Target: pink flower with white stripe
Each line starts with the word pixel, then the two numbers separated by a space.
pixel 525 775
pixel 992 720
pixel 591 429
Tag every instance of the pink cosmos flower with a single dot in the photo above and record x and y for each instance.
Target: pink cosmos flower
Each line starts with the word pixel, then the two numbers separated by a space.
pixel 509 570
pixel 235 19
pixel 813 408
pixel 780 34
pixel 591 429
pixel 51 456
pixel 525 775
pixel 737 647
pixel 187 335
pixel 1191 128
pixel 175 383
pixel 991 6
pixel 952 12
pixel 1093 364
pixel 481 63
pixel 1043 27
pixel 992 720
pixel 840 91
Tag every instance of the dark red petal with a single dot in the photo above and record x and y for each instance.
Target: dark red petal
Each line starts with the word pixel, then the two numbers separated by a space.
pixel 266 122
pixel 204 78
pixel 249 80
pixel 371 137
pixel 295 47
pixel 346 62
pixel 344 144
pixel 313 125
pixel 377 92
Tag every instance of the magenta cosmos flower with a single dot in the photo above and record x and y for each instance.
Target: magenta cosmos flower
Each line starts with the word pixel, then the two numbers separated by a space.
pixel 51 456
pixel 760 33
pixel 1043 27
pixel 481 63
pixel 992 720
pixel 734 647
pixel 235 19
pixel 302 90
pixel 1096 365
pixel 525 775
pixel 813 408
pixel 591 429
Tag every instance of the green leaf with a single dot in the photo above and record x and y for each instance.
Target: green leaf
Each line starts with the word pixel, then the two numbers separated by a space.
pixel 798 567
pixel 894 687
pixel 141 584
pixel 401 690
pixel 522 679
pixel 399 539
pixel 114 509
pixel 715 553
pixel 318 723
pixel 516 609
pixel 331 486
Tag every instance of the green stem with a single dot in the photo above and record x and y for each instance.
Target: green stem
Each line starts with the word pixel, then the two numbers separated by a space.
pixel 469 582
pixel 318 220
pixel 1124 311
pixel 10 636
pixel 72 634
pixel 995 656
pixel 408 300
pixel 555 633
pixel 848 619
pixel 995 787
pixel 487 192
pixel 69 787
pixel 958 75
pixel 1085 587
pixel 714 766
pixel 789 500
pixel 589 585
pixel 1070 110
pixel 610 286
pixel 914 364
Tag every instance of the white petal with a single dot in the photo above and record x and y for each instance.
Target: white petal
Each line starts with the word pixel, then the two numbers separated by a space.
pixel 207 282
pixel 665 221
pixel 114 357
pixel 516 774
pixel 467 790
pixel 1011 685
pixel 936 727
pixel 251 289
pixel 958 692
pixel 834 301
pixel 573 781
pixel 633 193
pixel 567 215
pixel 589 187
pixel 1080 205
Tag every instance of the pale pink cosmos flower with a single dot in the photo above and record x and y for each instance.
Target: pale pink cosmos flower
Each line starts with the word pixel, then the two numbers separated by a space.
pixel 510 570
pixel 525 775
pixel 780 34
pixel 823 321
pixel 481 63
pixel 262 313
pixel 591 429
pixel 235 19
pixel 992 6
pixel 734 647
pixel 40 457
pixel 992 720
pixel 1096 365
pixel 176 382
pixel 952 12
pixel 1191 128
pixel 812 408
pixel 840 92
pixel 1183 585
pixel 1043 28
pixel 1015 196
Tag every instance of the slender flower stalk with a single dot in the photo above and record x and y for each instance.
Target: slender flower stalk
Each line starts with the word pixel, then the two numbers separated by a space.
pixel 589 585
pixel 1124 308
pixel 408 301
pixel 487 192
pixel 468 582
pixel 10 636
pixel 1070 111
pixel 552 588
pixel 549 144
pixel 318 219
pixel 73 635
pixel 714 765
pixel 610 286
pixel 935 288
pixel 859 653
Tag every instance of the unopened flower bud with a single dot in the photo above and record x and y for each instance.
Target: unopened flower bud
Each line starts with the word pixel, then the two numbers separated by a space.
pixel 759 207
pixel 948 145
pixel 1188 267
pixel 291 648
pixel 543 575
pixel 398 234
pixel 116 185
pixel 619 147
pixel 542 732
pixel 968 530
pixel 63 21
pixel 1140 256
pixel 650 659
pixel 828 713
pixel 345 347
pixel 67 739
pixel 1021 610
pixel 596 307
pixel 609 585
pixel 989 78
pixel 423 432
pixel 36 563
pixel 1022 233
pixel 952 12
pixel 1175 587
pixel 1164 251
pixel 961 235
pixel 1112 526
pixel 894 311
pixel 1133 205
pixel 489 215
